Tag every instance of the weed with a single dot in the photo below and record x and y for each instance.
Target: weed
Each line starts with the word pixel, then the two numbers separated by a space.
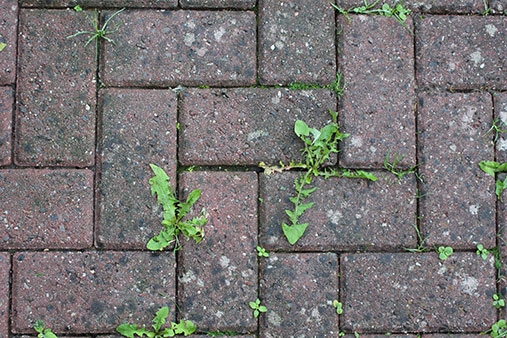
pixel 78 8
pixel 444 252
pixel 185 327
pixel 261 252
pixel 257 307
pixel 497 330
pixel 486 8
pixel 174 211
pixel 337 86
pixel 498 302
pixel 420 246
pixel 483 252
pixel 43 332
pixel 2 46
pixel 98 33
pixel 391 167
pixel 496 128
pixel 491 168
pixel 338 307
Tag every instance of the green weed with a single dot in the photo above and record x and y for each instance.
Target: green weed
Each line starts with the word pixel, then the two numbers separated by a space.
pixel 391 167
pixel 420 246
pixel 338 85
pixel 338 306
pixel 42 331
pixel 444 252
pixel 261 252
pixel 2 46
pixel 497 330
pixel 184 327
pixel 486 8
pixel 481 251
pixel 257 307
pixel 78 8
pixel 491 168
pixel 496 128
pixel 498 302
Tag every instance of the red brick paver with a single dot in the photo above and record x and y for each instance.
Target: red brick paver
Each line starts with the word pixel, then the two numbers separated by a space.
pixel 429 6
pixel 8 29
pixel 500 102
pixel 6 101
pixel 102 3
pixel 218 3
pixel 5 266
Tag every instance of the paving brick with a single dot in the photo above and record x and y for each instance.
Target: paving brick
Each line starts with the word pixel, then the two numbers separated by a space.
pixel 6 101
pixel 382 336
pixel 5 266
pixel 297 289
pixel 218 3
pixel 101 3
pixel 378 105
pixel 458 207
pixel 296 42
pixel 46 208
pixel 427 6
pixel 502 242
pixel 56 100
pixel 219 274
pixel 448 335
pixel 417 292
pixel 347 214
pixel 498 6
pixel 92 292
pixel 139 127
pixel 182 47
pixel 462 52
pixel 8 27
pixel 500 101
pixel 247 126
pixel 207 336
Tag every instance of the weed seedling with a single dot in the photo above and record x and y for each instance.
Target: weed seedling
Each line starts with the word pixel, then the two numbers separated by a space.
pixel 78 8
pixel 261 252
pixel 498 330
pixel 496 128
pixel 481 251
pixel 338 306
pixel 420 246
pixel 444 252
pixel 174 212
pixel 491 168
pixel 257 307
pixel 337 86
pixel 486 8
pixel 184 327
pixel 98 33
pixel 42 331
pixel 391 167
pixel 2 46
pixel 498 302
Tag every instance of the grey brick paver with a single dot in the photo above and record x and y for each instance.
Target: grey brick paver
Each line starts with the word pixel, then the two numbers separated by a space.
pixel 8 32
pixel 6 101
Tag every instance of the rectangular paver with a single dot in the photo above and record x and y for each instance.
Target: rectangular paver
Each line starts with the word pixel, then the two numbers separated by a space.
pixel 417 292
pixel 101 3
pixel 500 102
pixel 8 27
pixel 427 6
pixel 247 126
pixel 502 242
pixel 219 275
pixel 218 3
pixel 298 291
pixel 498 6
pixel 462 51
pixel 56 100
pixel 139 127
pixel 347 214
pixel 458 207
pixel 296 42
pixel 46 208
pixel 5 266
pixel 376 58
pixel 165 48
pixel 6 105
pixel 92 292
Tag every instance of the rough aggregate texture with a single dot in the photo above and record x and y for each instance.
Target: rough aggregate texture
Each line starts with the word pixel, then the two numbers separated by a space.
pixel 101 3
pixel 500 102
pixel 8 31
pixel 5 266
pixel 6 101
pixel 427 6
pixel 218 3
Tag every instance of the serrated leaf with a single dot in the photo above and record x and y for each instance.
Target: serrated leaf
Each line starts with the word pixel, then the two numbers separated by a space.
pixel 185 327
pixel 294 200
pixel 293 233
pixel 307 192
pixel 157 243
pixel 291 215
pixel 49 334
pixel 191 199
pixel 160 186
pixel 303 207
pixel 492 167
pixel 160 318
pixel 300 128
pixel 2 46
pixel 129 330
pixel 39 326
pixel 167 332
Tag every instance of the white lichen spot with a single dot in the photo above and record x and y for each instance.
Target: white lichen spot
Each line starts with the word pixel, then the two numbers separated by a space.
pixel 224 262
pixel 276 99
pixel 189 39
pixel 316 314
pixel 442 270
pixel 501 144
pixel 474 209
pixel 476 57
pixel 274 318
pixel 469 285
pixel 187 277
pixel 202 51
pixel 334 216
pixel 256 134
pixel 279 44
pixel 491 30
pixel 452 147
pixel 356 141
pixel 219 314
pixel 219 33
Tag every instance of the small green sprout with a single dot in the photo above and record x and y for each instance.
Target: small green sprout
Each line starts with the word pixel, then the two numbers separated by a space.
pixel 491 168
pixel 257 307
pixel 391 167
pixel 498 302
pixel 261 252
pixel 444 252
pixel 481 251
pixel 486 8
pixel 78 8
pixel 497 330
pixel 2 46
pixel 421 240
pixel 496 128
pixel 338 307
pixel 43 332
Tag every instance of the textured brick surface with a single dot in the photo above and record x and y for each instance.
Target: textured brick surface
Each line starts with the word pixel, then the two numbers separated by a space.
pixel 500 100
pixel 8 26
pixel 46 208
pixel 444 335
pixel 378 105
pixel 458 208
pixel 5 266
pixel 417 292
pixel 347 214
pixel 101 3
pixel 431 6
pixel 247 126
pixel 219 274
pixel 298 290
pixel 182 47
pixel 56 100
pixel 6 101
pixel 139 127
pixel 498 6
pixel 218 3
pixel 462 52
pixel 502 242
pixel 296 42
pixel 90 291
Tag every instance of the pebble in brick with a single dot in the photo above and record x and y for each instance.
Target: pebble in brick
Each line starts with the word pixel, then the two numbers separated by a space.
pixel 139 127
pixel 378 106
pixel 462 52
pixel 5 267
pixel 46 209
pixel 247 126
pixel 102 3
pixel 431 6
pixel 417 292
pixel 458 207
pixel 296 42
pixel 6 100
pixel 91 292
pixel 498 6
pixel 347 214
pixel 298 291
pixel 166 48
pixel 218 3
pixel 8 24
pixel 56 99
pixel 500 100
pixel 219 275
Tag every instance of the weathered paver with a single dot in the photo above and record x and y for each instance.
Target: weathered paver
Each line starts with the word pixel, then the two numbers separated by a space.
pixel 166 48
pixel 502 242
pixel 91 292
pixel 500 101
pixel 139 127
pixel 219 275
pixel 417 292
pixel 347 214
pixel 298 291
pixel 447 335
pixel 247 125
pixel 296 40
pixel 101 3
pixel 498 6
pixel 5 266
pixel 376 58
pixel 462 52
pixel 458 204
pixel 218 3
pixel 427 6
pixel 46 208
pixel 8 27
pixel 6 104
pixel 55 118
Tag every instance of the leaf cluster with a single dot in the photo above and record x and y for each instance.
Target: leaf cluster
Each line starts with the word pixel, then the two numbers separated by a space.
pixel 482 251
pixel 338 306
pixel 174 212
pixel 498 302
pixel 184 327
pixel 257 307
pixel 444 252
pixel 261 252
pixel 391 167
pixel 491 168
pixel 42 331
pixel 498 330
pixel 496 129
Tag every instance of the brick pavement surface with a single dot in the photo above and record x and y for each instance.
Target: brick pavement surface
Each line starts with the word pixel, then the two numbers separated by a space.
pixel 208 89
